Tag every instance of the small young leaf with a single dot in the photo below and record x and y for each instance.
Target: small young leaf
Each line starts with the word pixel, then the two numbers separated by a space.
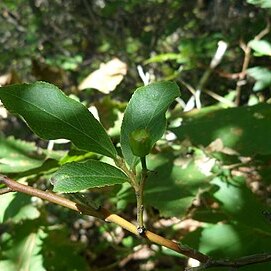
pixel 146 110
pixel 52 115
pixel 74 177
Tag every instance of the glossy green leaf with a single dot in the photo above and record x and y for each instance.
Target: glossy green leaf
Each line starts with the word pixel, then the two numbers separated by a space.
pixel 52 115
pixel 18 156
pixel 146 110
pixel 246 130
pixel 74 177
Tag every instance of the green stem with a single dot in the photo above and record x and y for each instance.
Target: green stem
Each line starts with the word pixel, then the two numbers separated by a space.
pixel 138 187
pixel 140 196
pixel 131 175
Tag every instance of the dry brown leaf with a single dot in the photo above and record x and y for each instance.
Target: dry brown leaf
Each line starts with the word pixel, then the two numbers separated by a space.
pixel 218 146
pixel 9 78
pixel 107 77
pixel 5 79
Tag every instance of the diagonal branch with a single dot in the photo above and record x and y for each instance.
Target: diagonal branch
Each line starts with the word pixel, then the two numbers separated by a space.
pixel 247 52
pixel 103 214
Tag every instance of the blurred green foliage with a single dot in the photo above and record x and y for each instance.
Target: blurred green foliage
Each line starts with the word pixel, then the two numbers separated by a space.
pixel 215 166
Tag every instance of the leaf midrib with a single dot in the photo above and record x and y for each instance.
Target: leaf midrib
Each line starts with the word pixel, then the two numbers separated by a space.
pixel 67 123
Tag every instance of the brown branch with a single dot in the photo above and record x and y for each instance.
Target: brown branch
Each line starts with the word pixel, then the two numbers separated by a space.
pixel 103 214
pixel 14 186
pixel 244 261
pixel 212 94
pixel 240 82
pixel 247 51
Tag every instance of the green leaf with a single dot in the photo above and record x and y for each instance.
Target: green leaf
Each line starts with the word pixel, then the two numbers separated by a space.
pixel 262 77
pixel 242 129
pixel 53 115
pixel 172 186
pixel 21 250
pixel 232 240
pixel 18 156
pixel 261 47
pixel 175 184
pixel 230 237
pixel 61 253
pixel 236 199
pixel 17 207
pixel 261 3
pixel 74 177
pixel 146 110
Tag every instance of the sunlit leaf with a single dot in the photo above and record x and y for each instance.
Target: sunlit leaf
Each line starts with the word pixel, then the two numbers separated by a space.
pixel 163 57
pixel 262 77
pixel 242 129
pixel 241 216
pixel 261 3
pixel 17 207
pixel 261 47
pixel 18 156
pixel 236 199
pixel 22 249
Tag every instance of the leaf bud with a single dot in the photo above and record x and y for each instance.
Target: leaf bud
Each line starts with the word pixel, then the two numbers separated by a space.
pixel 140 142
